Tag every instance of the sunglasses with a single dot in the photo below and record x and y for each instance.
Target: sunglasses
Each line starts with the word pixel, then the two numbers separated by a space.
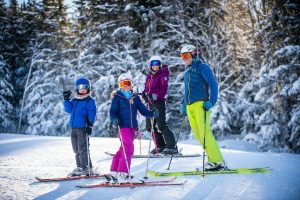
pixel 185 55
pixel 155 63
pixel 83 87
pixel 124 83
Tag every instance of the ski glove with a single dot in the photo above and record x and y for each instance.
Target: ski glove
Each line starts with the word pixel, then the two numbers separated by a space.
pixel 207 105
pixel 154 97
pixel 183 109
pixel 115 122
pixel 67 95
pixel 145 97
pixel 89 130
pixel 155 112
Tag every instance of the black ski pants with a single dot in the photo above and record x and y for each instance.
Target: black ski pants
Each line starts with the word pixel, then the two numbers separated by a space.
pixel 163 135
pixel 80 147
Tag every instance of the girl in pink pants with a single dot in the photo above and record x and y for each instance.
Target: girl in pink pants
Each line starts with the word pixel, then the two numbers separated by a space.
pixel 123 114
pixel 119 162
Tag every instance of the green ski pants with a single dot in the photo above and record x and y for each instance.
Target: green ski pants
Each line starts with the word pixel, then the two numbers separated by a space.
pixel 195 113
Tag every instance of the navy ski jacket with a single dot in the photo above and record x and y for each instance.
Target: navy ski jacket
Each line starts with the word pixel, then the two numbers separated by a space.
pixel 126 112
pixel 82 111
pixel 199 83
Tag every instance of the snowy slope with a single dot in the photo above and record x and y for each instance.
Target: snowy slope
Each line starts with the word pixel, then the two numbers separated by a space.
pixel 24 157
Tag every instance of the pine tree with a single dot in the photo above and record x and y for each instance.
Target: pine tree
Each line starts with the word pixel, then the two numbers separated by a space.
pixel 6 95
pixel 3 27
pixel 275 95
pixel 47 77
pixel 237 65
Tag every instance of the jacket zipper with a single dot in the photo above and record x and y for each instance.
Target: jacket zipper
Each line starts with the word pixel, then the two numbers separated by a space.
pixel 130 113
pixel 189 88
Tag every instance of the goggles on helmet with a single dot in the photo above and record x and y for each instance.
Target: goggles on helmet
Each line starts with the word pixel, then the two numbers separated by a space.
pixel 155 63
pixel 124 83
pixel 83 87
pixel 186 55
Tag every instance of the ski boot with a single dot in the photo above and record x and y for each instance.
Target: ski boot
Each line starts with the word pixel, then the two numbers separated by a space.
pixel 170 151
pixel 215 166
pixel 76 172
pixel 159 150
pixel 112 177
pixel 124 178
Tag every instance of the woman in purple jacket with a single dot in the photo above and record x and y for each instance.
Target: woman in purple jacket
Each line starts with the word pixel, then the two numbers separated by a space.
pixel 156 88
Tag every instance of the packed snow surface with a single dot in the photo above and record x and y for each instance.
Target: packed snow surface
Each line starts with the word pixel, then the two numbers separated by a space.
pixel 24 157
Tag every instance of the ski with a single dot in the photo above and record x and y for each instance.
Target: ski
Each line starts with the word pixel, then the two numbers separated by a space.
pixel 135 184
pixel 68 178
pixel 160 155
pixel 228 171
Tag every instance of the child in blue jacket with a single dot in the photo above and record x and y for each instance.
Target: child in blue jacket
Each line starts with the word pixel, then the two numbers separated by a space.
pixel 123 114
pixel 82 111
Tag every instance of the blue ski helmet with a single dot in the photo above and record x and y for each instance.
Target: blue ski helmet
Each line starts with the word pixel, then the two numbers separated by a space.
pixel 83 83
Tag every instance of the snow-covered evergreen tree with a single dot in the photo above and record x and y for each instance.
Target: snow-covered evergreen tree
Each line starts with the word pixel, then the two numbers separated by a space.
pixel 252 47
pixel 48 74
pixel 6 96
pixel 237 65
pixel 274 111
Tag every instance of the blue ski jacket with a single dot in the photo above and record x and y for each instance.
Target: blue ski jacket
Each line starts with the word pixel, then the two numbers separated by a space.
pixel 83 112
pixel 125 110
pixel 199 83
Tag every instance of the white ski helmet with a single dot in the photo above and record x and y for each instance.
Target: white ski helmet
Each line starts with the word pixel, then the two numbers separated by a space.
pixel 155 58
pixel 154 61
pixel 189 48
pixel 125 76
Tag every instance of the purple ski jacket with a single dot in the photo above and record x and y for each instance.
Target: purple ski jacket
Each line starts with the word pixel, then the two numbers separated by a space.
pixel 157 84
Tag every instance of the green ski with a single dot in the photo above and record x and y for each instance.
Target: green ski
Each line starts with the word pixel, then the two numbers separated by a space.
pixel 228 171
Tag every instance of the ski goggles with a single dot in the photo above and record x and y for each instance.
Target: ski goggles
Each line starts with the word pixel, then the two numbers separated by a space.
pixel 83 87
pixel 155 63
pixel 186 55
pixel 124 83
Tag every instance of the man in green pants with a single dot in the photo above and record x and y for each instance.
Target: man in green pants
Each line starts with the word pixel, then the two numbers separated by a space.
pixel 200 95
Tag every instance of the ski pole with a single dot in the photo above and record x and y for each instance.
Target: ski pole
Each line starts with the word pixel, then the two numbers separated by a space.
pixel 140 135
pixel 125 156
pixel 140 141
pixel 146 177
pixel 204 142
pixel 176 143
pixel 88 153
pixel 154 140
pixel 153 134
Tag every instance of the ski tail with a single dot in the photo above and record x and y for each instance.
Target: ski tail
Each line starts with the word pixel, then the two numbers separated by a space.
pixel 68 178
pixel 135 184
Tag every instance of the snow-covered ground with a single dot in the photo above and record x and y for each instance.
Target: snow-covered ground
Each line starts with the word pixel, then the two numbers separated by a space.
pixel 24 157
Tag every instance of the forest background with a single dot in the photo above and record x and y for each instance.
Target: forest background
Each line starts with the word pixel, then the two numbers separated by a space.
pixel 253 47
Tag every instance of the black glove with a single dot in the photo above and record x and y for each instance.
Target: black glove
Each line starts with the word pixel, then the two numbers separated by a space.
pixel 115 122
pixel 145 97
pixel 155 112
pixel 149 96
pixel 89 130
pixel 67 95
